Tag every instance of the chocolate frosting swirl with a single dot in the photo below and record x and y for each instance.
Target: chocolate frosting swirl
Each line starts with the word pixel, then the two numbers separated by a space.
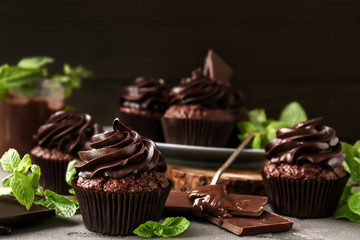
pixel 118 153
pixel 67 131
pixel 308 141
pixel 199 89
pixel 207 92
pixel 145 94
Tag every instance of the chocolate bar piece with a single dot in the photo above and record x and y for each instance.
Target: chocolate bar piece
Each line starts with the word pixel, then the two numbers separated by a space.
pixel 13 213
pixel 241 226
pixel 217 69
pixel 253 205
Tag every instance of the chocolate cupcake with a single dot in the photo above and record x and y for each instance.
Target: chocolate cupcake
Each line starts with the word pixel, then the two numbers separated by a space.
pixel 121 182
pixel 304 176
pixel 142 104
pixel 198 113
pixel 59 140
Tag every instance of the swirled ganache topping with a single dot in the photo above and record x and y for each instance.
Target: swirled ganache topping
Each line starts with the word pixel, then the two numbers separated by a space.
pixel 118 153
pixel 67 131
pixel 145 94
pixel 199 89
pixel 202 90
pixel 309 141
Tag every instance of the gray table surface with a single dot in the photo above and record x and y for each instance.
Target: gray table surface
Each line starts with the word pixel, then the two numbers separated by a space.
pixel 73 228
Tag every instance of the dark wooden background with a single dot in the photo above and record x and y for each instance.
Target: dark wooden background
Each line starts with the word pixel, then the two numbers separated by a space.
pixel 281 50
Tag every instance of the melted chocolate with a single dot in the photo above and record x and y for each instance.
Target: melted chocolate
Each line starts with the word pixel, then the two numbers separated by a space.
pixel 212 199
pixel 67 131
pixel 308 141
pixel 145 94
pixel 118 153
pixel 253 206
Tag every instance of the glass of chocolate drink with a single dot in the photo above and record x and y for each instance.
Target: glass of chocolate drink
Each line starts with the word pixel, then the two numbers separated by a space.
pixel 21 115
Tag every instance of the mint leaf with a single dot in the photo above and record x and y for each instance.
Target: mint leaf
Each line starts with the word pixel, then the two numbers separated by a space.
pixel 5 191
pixel 10 160
pixel 70 171
pixel 75 202
pixel 24 164
pixel 72 78
pixel 173 226
pixel 22 189
pixel 265 129
pixel 35 176
pixel 170 227
pixel 345 212
pixel 246 127
pixel 35 62
pixel 256 142
pixel 147 229
pixel 345 195
pixel 356 147
pixel 6 180
pixel 354 203
pixel 62 205
pixel 3 90
pixel 15 76
pixel 346 166
pixel 257 117
pixel 352 161
pixel 293 113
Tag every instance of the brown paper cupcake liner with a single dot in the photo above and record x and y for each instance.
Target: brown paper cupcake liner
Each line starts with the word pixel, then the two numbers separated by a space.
pixel 145 125
pixel 304 198
pixel 196 132
pixel 52 174
pixel 119 213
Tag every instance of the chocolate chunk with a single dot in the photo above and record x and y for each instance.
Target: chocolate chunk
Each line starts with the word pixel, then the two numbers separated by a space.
pixel 13 213
pixel 253 205
pixel 217 69
pixel 241 226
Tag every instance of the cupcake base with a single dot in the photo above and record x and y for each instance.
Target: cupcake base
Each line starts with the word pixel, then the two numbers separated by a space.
pixel 304 198
pixel 119 213
pixel 53 166
pixel 197 132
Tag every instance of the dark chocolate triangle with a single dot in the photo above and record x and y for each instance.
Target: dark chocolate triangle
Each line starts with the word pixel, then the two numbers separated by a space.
pixel 217 69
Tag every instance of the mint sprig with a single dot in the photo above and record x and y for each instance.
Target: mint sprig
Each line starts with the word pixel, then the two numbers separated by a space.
pixel 350 199
pixel 264 129
pixel 18 78
pixel 35 62
pixel 72 77
pixel 23 183
pixel 62 205
pixel 170 227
